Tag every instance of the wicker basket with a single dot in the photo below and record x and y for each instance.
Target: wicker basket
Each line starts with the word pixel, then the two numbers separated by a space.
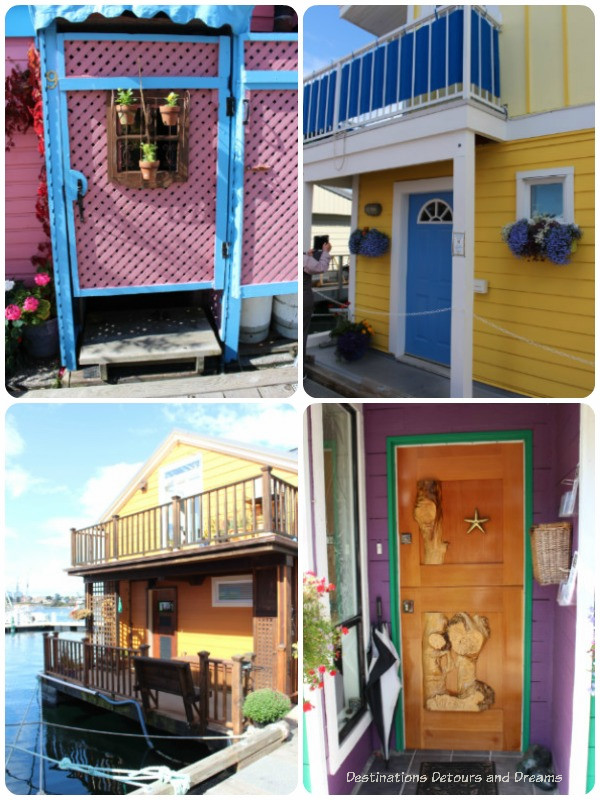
pixel 551 551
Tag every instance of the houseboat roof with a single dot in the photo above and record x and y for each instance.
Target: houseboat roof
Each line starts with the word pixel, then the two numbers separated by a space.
pixel 259 455
pixel 214 16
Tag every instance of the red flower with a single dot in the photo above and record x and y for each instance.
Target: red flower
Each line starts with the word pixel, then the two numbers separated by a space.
pixel 333 671
pixel 322 669
pixel 321 685
pixel 345 630
pixel 311 672
pixel 331 587
pixel 307 705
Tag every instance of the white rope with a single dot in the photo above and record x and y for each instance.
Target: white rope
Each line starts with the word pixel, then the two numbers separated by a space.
pixel 224 737
pixel 499 328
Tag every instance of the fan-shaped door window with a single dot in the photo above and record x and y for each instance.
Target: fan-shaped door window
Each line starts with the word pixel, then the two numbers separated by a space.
pixel 434 211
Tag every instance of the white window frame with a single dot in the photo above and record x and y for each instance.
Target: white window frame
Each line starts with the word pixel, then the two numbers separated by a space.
pixel 218 603
pixel 338 751
pixel 537 177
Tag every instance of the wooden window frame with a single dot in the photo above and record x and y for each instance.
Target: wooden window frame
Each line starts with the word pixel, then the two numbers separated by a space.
pixel 117 133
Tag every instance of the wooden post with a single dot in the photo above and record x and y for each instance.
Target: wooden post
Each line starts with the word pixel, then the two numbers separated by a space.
pixel 266 500
pixel 284 625
pixel 73 547
pixel 176 512
pixel 115 537
pixel 281 678
pixel 55 651
pixel 237 695
pixel 87 652
pixel 204 687
pixel 46 652
pixel 144 648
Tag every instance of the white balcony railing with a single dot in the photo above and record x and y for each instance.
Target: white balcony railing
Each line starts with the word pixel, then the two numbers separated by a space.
pixel 418 65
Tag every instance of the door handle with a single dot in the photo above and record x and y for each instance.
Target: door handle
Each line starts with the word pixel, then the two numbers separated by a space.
pixel 80 200
pixel 408 607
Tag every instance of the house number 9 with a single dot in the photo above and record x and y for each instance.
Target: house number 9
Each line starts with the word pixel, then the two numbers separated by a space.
pixel 52 79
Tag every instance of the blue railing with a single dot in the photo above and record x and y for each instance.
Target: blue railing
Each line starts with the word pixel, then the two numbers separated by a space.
pixel 418 65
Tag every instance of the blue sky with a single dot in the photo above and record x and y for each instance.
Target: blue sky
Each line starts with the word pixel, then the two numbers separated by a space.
pixel 327 37
pixel 65 464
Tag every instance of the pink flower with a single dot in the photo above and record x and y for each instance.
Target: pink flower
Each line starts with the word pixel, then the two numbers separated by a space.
pixel 344 630
pixel 307 705
pixel 31 304
pixel 322 669
pixel 12 313
pixel 333 672
pixel 42 279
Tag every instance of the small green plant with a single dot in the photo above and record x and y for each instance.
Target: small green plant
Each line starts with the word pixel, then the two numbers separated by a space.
pixel 125 97
pixel 266 705
pixel 148 151
pixel 172 98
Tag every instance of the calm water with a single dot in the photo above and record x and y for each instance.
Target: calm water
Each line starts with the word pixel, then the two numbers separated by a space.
pixel 24 661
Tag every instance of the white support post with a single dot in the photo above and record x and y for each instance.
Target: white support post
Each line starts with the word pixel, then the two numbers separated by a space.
pixel 466 52
pixel 307 204
pixel 463 268
pixel 352 271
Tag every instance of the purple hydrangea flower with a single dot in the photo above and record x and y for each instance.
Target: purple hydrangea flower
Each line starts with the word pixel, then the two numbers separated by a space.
pixel 558 244
pixel 518 237
pixel 374 243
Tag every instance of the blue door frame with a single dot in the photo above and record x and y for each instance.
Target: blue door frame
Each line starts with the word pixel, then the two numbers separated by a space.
pixel 62 181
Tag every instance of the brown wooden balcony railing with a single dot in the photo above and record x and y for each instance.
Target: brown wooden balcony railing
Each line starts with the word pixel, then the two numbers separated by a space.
pixel 231 513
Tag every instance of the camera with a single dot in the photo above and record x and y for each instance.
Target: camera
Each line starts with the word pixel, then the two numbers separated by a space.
pixel 318 242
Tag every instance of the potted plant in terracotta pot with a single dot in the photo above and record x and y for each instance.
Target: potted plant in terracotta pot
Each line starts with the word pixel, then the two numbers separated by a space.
pixel 126 107
pixel 170 111
pixel 148 162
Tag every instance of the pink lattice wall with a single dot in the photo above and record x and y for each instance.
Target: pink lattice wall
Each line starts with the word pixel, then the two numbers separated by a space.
pixel 122 59
pixel 144 237
pixel 271 55
pixel 270 237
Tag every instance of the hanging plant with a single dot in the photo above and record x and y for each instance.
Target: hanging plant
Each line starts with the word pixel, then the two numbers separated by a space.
pixel 542 238
pixel 170 111
pixel 368 242
pixel 126 107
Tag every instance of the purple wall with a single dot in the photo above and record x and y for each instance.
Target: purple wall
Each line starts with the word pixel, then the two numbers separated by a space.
pixel 555 456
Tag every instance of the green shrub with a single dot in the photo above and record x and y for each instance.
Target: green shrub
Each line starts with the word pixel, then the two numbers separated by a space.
pixel 266 705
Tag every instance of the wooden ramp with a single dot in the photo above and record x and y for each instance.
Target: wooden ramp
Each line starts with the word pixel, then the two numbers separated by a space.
pixel 147 337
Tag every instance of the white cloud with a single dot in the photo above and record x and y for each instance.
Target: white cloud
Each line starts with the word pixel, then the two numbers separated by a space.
pixel 102 488
pixel 18 481
pixel 14 444
pixel 274 426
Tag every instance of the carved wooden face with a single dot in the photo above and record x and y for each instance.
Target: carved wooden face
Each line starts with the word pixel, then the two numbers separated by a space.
pixel 465 642
pixel 425 511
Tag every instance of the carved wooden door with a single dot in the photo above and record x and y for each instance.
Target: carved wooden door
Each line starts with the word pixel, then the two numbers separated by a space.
pixel 461 529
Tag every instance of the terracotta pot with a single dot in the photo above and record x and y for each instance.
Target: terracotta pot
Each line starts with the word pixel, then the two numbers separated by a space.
pixel 149 169
pixel 41 341
pixel 126 114
pixel 169 114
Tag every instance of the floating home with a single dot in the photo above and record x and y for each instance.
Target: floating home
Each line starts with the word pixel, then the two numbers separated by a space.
pixel 151 269
pixel 428 518
pixel 194 563
pixel 456 122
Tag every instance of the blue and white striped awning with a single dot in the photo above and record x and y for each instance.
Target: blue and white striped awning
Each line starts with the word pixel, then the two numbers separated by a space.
pixel 238 17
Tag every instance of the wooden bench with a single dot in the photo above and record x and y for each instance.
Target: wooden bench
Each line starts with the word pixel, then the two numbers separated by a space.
pixel 154 675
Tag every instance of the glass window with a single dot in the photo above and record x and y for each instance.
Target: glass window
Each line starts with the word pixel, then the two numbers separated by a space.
pixel 232 591
pixel 547 198
pixel 341 505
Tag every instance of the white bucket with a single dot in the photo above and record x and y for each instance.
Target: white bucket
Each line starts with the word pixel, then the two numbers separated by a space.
pixel 256 319
pixel 285 315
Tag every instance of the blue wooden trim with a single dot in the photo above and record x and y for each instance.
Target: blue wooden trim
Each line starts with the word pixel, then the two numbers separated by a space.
pixel 174 82
pixel 222 177
pixel 137 37
pixel 50 58
pixel 267 36
pixel 267 79
pixel 231 308
pixel 160 287
pixel 18 22
pixel 268 289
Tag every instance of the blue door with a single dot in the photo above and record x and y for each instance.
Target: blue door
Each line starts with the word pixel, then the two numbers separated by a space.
pixel 429 275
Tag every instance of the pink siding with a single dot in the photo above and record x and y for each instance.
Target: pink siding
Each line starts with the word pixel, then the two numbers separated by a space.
pixel 262 19
pixel 22 230
pixel 270 235
pixel 144 237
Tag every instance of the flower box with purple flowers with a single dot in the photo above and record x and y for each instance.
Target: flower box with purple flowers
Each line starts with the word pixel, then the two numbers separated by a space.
pixel 542 238
pixel 368 242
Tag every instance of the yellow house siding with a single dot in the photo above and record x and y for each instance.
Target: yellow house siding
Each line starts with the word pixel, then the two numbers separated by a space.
pixel 546 57
pixel 218 469
pixel 543 302
pixel 372 298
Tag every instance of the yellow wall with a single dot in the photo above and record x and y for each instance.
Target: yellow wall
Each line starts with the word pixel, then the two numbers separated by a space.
pixel 550 304
pixel 373 274
pixel 217 470
pixel 546 57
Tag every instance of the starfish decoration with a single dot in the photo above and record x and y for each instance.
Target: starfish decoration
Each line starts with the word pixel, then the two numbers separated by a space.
pixel 477 522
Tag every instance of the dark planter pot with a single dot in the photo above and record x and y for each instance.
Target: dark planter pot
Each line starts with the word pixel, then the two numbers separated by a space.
pixel 41 341
pixel 352 345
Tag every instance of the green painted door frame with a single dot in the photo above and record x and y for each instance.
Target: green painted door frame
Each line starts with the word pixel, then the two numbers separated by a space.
pixel 524 436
